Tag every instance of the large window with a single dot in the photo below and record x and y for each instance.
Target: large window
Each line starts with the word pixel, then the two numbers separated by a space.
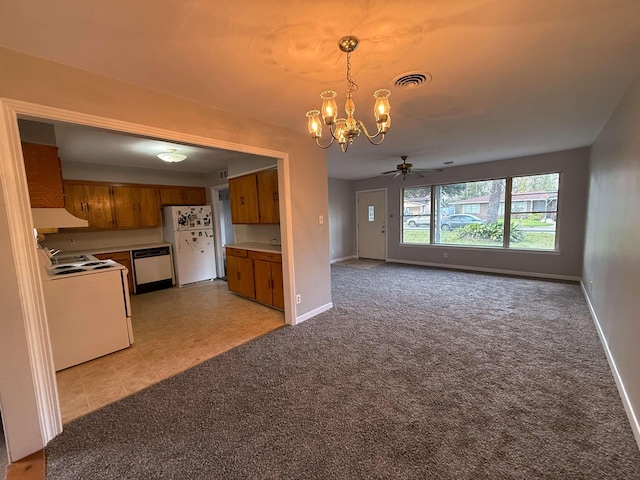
pixel 473 213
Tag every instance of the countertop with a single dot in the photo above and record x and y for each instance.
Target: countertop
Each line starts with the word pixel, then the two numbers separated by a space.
pixel 257 247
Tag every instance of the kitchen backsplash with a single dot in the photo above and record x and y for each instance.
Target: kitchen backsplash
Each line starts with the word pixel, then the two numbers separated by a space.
pixel 257 233
pixel 79 240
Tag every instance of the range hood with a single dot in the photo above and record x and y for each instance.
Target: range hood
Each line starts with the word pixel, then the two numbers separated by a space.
pixel 46 218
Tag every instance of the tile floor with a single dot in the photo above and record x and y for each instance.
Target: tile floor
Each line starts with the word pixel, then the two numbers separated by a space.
pixel 173 329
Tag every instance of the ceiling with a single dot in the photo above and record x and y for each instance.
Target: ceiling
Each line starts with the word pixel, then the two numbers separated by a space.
pixel 509 78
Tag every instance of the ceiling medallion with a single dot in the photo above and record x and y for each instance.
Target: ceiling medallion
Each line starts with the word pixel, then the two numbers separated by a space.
pixel 344 130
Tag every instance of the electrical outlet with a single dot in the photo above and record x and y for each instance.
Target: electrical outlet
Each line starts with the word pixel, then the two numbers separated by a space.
pixel 445 254
pixel 72 240
pixel 298 299
pixel 321 219
pixel 590 286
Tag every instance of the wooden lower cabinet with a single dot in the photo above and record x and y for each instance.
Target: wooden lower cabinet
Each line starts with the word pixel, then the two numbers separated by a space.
pixel 256 275
pixel 240 273
pixel 123 258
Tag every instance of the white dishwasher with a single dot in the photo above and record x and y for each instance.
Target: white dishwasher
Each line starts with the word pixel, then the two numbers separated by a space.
pixel 152 269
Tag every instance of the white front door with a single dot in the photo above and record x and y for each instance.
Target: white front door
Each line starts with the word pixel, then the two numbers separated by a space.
pixel 372 217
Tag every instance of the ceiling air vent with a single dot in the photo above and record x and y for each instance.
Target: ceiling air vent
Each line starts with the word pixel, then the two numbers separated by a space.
pixel 412 80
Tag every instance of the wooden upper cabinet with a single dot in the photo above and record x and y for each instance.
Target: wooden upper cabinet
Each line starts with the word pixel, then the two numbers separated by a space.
pixel 254 198
pixel 243 196
pixel 136 207
pixel 91 202
pixel 268 201
pixel 182 195
pixel 148 207
pixel 44 175
pixel 194 195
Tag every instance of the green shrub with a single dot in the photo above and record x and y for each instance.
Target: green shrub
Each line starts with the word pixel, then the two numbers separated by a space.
pixel 489 231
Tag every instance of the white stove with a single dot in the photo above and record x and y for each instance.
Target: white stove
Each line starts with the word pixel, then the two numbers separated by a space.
pixel 80 265
pixel 88 307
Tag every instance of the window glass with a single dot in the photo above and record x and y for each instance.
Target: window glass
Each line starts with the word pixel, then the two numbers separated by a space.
pixel 371 213
pixel 416 214
pixel 534 211
pixel 469 213
pixel 473 213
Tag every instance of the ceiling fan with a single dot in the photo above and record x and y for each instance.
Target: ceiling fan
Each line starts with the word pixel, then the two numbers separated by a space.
pixel 406 168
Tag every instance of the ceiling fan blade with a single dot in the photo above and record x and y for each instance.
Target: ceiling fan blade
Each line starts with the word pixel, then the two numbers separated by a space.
pixel 397 173
pixel 390 171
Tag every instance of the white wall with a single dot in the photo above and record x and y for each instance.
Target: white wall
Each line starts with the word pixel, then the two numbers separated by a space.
pixel 303 182
pixel 566 263
pixel 612 244
pixel 110 173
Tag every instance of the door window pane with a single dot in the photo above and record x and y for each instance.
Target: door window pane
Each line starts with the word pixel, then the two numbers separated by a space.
pixel 371 213
pixel 534 211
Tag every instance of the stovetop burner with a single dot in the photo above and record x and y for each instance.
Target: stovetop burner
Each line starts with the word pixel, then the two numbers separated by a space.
pixel 73 270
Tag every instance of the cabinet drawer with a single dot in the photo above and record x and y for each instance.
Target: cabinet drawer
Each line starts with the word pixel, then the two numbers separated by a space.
pixel 236 252
pixel 267 256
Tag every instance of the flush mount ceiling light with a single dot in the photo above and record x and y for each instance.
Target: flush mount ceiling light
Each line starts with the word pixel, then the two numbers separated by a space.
pixel 171 156
pixel 344 130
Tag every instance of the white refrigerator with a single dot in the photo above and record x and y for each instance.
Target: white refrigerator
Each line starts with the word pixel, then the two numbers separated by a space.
pixel 190 231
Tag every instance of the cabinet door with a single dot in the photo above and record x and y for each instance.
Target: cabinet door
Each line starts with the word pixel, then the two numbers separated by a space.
pixel 91 202
pixel 98 206
pixel 74 200
pixel 268 202
pixel 240 276
pixel 171 196
pixel 262 276
pixel 44 175
pixel 195 196
pixel 123 258
pixel 277 285
pixel 148 211
pixel 243 196
pixel 125 204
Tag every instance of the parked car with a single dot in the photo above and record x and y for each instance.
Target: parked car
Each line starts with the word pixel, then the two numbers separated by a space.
pixel 419 221
pixel 452 222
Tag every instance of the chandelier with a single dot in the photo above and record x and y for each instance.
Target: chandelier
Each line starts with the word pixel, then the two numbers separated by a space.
pixel 344 130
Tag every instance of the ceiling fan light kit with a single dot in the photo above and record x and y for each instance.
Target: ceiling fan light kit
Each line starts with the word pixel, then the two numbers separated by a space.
pixel 345 130
pixel 406 168
pixel 171 156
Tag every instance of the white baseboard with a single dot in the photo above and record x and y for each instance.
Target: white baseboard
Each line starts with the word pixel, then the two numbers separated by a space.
pixel 551 276
pixel 633 419
pixel 313 313
pixel 336 260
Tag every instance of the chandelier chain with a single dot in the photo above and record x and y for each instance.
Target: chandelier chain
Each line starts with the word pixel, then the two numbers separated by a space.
pixel 352 86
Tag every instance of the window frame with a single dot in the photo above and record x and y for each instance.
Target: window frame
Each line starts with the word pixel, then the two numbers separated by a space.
pixel 506 213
